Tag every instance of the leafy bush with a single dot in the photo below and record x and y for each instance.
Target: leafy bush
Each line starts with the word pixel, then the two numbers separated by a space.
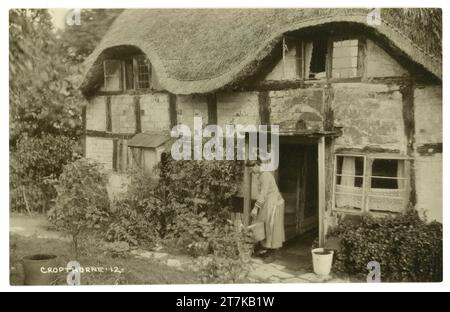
pixel 230 254
pixel 142 215
pixel 407 247
pixel 208 185
pixel 35 164
pixel 82 204
pixel 187 207
pixel 191 233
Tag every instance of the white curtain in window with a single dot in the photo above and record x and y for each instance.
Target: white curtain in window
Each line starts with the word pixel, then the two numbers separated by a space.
pixel 112 75
pixel 308 57
pixel 348 171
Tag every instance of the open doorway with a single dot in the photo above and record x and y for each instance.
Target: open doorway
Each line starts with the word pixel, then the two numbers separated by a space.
pixel 297 178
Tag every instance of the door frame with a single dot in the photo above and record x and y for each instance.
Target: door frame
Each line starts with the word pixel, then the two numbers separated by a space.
pixel 321 150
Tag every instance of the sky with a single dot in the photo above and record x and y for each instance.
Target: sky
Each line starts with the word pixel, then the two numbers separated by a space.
pixel 58 17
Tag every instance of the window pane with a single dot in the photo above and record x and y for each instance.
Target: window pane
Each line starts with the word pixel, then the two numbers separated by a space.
pixel 385 173
pixel 291 54
pixel 129 75
pixel 315 59
pixel 112 75
pixel 345 59
pixel 349 182
pixel 112 67
pixel 112 83
pixel 143 74
pixel 350 170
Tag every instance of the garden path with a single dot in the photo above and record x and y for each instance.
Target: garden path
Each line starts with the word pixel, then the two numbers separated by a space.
pixel 293 263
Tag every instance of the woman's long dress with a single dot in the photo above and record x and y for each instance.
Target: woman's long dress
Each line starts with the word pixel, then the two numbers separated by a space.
pixel 270 206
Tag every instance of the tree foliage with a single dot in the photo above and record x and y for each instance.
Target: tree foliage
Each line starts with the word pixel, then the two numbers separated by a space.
pixel 81 40
pixel 35 164
pixel 43 85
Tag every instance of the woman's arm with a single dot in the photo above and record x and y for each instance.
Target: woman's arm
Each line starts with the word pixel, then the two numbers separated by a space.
pixel 262 193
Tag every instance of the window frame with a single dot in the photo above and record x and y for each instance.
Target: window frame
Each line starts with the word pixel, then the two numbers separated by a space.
pixel 123 85
pixel 361 57
pixel 364 183
pixel 120 74
pixel 301 61
pixel 299 44
pixel 138 74
pixel 367 191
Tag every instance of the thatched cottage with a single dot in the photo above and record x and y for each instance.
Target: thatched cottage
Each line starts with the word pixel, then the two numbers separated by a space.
pixel 357 95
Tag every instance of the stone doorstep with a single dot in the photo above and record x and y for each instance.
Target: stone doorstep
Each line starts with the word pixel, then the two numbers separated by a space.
pixel 275 273
pixel 266 271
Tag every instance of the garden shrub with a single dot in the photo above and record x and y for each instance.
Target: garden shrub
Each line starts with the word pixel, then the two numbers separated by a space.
pixel 189 208
pixel 229 260
pixel 143 214
pixel 407 247
pixel 35 164
pixel 82 203
pixel 213 183
pixel 191 232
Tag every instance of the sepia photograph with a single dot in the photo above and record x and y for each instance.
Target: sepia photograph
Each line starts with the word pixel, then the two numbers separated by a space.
pixel 190 146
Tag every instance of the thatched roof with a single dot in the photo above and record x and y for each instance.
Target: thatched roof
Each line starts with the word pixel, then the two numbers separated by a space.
pixel 202 50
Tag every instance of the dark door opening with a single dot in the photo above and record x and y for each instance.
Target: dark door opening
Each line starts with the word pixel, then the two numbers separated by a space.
pixel 297 178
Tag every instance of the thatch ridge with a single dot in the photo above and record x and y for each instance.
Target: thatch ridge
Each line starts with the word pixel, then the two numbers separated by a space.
pixel 199 51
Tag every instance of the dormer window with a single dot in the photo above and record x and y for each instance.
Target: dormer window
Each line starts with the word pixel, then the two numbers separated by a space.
pixel 345 63
pixel 143 72
pixel 320 58
pixel 131 73
pixel 112 70
pixel 316 59
pixel 329 58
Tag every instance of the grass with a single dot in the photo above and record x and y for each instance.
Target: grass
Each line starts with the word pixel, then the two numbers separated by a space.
pixel 135 271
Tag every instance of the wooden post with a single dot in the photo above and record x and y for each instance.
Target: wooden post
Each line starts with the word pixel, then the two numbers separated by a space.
pixel 173 110
pixel 247 184
pixel 211 99
pixel 108 114
pixel 322 199
pixel 124 156
pixel 114 156
pixel 137 112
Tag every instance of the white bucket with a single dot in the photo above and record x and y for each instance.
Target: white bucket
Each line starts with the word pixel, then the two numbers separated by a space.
pixel 322 261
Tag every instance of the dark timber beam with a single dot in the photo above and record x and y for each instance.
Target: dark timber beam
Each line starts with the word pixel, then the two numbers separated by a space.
pixel 211 99
pixel 137 112
pixel 264 107
pixel 407 91
pixel 108 135
pixel 108 114
pixel 173 110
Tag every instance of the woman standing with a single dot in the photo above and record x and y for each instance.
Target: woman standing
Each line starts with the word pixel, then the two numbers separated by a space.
pixel 269 208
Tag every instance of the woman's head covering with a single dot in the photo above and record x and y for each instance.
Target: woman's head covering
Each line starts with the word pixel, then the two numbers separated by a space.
pixel 259 161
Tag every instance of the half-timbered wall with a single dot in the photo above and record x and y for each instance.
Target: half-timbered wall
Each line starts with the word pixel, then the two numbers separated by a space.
pixel 382 113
